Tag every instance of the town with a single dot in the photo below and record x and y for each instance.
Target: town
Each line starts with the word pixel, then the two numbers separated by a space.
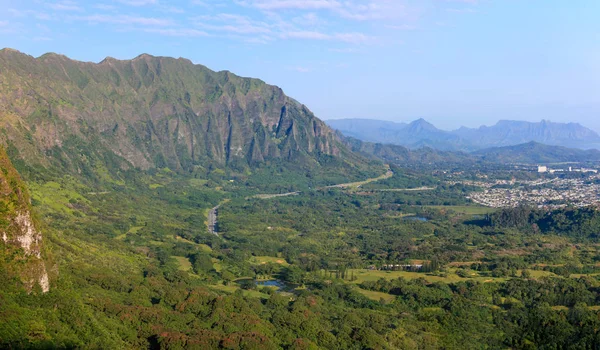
pixel 550 193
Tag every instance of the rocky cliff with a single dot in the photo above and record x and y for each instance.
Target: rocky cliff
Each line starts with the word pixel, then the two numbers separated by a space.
pixel 21 253
pixel 150 112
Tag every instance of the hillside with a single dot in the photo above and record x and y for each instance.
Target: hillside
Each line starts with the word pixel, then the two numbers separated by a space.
pixel 420 134
pixel 152 112
pixel 21 248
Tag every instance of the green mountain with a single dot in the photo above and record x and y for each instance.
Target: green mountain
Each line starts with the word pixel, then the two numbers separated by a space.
pixel 152 112
pixel 21 249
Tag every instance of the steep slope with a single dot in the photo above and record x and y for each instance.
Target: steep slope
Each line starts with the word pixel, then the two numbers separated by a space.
pixel 150 112
pixel 21 241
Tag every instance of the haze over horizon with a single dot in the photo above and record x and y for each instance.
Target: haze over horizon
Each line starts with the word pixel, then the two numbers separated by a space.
pixel 451 62
pixel 473 125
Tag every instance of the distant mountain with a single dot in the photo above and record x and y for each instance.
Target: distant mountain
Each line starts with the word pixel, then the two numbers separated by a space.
pixel 507 133
pixel 368 130
pixel 420 134
pixel 533 152
pixel 417 134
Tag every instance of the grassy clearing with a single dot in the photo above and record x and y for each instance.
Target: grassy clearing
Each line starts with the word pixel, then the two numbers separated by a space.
pixel 377 296
pixel 217 264
pixel 258 260
pixel 58 197
pixel 184 263
pixel 233 288
pixel 451 277
pixel 464 209
pixel 363 275
pixel 203 247
pixel 197 182
pixel 539 274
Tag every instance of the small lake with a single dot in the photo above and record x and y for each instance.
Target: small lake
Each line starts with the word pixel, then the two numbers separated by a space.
pixel 416 218
pixel 271 283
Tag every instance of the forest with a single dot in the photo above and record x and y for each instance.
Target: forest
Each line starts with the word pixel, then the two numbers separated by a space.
pixel 363 267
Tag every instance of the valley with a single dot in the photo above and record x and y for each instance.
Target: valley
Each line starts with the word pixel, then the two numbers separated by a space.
pixel 179 207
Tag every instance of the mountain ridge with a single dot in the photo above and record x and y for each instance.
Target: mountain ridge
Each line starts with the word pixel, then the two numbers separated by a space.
pixel 152 112
pixel 421 133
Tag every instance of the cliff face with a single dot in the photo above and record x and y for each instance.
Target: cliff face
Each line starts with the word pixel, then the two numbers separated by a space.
pixel 21 241
pixel 150 112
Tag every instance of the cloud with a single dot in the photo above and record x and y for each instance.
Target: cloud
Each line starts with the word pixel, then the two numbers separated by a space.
pixel 124 19
pixel 29 13
pixel 177 32
pixel 232 23
pixel 3 23
pixel 41 38
pixel 355 38
pixel 291 4
pixel 359 10
pixel 344 50
pixel 472 2
pixel 401 27
pixel 138 2
pixel 105 7
pixel 64 6
pixel 466 10
pixel 300 69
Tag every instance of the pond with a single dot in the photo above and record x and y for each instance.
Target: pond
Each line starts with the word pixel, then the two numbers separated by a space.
pixel 271 283
pixel 416 218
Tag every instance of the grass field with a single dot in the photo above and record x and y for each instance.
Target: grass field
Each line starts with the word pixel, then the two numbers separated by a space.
pixel 268 259
pixel 451 277
pixel 202 247
pixel 184 263
pixel 464 209
pixel 232 288
pixel 377 296
pixel 363 275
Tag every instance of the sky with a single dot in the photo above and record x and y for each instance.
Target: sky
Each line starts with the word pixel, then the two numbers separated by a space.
pixel 452 62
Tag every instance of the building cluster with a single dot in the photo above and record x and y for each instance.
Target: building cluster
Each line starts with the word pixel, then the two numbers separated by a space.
pixel 545 169
pixel 552 193
pixel 397 267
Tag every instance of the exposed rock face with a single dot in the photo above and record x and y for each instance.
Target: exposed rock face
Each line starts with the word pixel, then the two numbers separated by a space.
pixel 21 246
pixel 150 112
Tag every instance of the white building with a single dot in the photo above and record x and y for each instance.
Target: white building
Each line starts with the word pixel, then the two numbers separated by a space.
pixel 542 169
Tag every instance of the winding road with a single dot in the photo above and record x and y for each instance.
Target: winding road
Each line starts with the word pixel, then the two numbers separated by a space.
pixel 389 173
pixel 213 213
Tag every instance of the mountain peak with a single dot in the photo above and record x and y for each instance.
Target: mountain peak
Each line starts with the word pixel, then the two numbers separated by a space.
pixel 422 125
pixel 8 49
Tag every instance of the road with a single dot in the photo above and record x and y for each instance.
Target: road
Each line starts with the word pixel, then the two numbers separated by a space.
pixel 212 220
pixel 387 175
pixel 214 212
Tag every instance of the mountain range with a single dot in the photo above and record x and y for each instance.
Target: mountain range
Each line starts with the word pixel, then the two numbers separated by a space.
pixel 152 112
pixel 421 133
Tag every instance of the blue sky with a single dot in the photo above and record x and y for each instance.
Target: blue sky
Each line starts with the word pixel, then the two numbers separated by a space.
pixel 452 62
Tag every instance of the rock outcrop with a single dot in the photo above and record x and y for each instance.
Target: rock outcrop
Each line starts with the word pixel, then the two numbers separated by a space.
pixel 21 249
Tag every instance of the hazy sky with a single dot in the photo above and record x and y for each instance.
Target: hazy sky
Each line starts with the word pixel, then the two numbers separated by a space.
pixel 452 62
